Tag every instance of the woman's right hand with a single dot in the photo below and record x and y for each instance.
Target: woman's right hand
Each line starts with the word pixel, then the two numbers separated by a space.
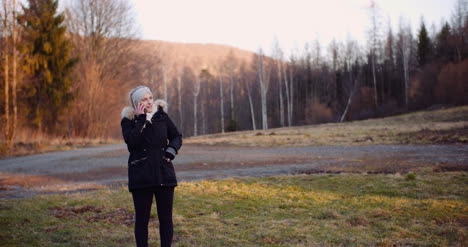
pixel 140 109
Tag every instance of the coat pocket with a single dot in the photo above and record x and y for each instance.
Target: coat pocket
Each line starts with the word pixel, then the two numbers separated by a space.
pixel 170 175
pixel 140 172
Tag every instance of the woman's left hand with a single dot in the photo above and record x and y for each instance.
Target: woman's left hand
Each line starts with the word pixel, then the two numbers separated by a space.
pixel 140 109
pixel 169 156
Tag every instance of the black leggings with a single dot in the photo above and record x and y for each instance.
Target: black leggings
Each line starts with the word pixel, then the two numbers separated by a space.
pixel 142 201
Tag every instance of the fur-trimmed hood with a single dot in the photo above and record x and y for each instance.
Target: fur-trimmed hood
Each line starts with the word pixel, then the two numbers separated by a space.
pixel 129 112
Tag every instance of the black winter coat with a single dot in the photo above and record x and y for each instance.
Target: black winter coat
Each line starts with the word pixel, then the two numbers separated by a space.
pixel 147 143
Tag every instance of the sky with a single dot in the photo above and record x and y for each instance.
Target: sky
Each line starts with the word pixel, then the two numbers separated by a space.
pixel 251 24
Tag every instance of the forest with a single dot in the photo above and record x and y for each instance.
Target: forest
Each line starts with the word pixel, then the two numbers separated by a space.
pixel 66 74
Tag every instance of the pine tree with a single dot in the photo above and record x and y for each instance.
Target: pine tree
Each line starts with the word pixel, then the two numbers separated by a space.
pixel 424 46
pixel 444 49
pixel 49 63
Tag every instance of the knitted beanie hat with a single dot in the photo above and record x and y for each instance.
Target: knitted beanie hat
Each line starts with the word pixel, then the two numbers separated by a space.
pixel 137 93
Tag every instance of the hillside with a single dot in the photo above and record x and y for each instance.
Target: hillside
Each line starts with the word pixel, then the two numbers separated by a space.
pixel 193 55
pixel 446 126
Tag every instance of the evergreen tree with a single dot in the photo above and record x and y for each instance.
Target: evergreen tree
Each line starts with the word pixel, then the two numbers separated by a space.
pixel 444 49
pixel 49 63
pixel 424 46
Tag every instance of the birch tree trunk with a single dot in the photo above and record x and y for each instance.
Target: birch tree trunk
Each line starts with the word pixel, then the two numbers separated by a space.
pixel 280 88
pixel 374 80
pixel 221 95
pixel 264 104
pixel 165 78
pixel 406 49
pixel 203 112
pixel 14 77
pixel 374 35
pixel 252 113
pixel 230 67
pixel 291 91
pixel 406 75
pixel 278 56
pixel 231 91
pixel 350 98
pixel 288 100
pixel 195 114
pixel 263 78
pixel 179 97
pixel 347 107
pixel 6 71
pixel 196 92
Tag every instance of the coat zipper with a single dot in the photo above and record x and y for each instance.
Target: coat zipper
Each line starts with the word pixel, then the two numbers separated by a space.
pixel 136 161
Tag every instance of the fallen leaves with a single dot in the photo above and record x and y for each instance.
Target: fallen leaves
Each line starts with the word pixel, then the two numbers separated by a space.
pixel 95 214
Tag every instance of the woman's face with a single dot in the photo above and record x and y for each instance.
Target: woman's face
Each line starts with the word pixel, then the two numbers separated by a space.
pixel 147 101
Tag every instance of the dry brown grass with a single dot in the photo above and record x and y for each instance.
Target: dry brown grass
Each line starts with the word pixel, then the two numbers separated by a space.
pixel 448 126
pixel 30 142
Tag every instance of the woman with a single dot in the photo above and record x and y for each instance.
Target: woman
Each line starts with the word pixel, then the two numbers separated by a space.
pixel 153 141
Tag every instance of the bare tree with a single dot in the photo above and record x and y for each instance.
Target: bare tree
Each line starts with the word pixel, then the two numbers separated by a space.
pixel 288 75
pixel 148 67
pixel 334 50
pixel 459 21
pixel 248 82
pixel 351 80
pixel 374 44
pixel 203 113
pixel 404 45
pixel 10 39
pixel 102 33
pixel 6 71
pixel 14 37
pixel 353 90
pixel 278 56
pixel 165 75
pixel 196 92
pixel 263 72
pixel 221 95
pixel 231 67
pixel 314 56
pixel 289 85
pixel 179 72
pixel 167 66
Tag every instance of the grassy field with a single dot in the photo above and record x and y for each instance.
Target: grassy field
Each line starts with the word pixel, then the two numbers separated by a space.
pixel 446 126
pixel 424 209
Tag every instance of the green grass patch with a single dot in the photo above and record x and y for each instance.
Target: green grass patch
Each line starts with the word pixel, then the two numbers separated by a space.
pixel 301 210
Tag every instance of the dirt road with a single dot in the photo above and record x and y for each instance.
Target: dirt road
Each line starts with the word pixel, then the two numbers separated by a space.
pixel 91 168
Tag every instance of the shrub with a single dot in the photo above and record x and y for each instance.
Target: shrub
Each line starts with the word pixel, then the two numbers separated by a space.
pixel 317 112
pixel 410 176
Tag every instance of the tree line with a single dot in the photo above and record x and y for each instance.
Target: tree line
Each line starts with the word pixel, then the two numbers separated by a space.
pixel 62 72
pixel 398 71
pixel 66 74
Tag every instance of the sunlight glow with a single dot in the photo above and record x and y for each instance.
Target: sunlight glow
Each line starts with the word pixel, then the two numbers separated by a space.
pixel 250 24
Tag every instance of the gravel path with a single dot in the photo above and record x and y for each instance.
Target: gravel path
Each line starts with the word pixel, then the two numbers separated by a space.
pixel 91 168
